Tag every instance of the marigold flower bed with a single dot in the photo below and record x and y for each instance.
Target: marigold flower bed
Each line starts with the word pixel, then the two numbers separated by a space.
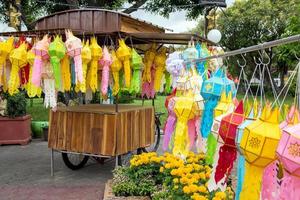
pixel 167 177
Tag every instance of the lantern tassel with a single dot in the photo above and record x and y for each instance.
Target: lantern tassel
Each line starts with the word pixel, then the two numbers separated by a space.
pixel 252 184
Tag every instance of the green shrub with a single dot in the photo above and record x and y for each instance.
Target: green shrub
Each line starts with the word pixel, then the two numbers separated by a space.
pixel 16 105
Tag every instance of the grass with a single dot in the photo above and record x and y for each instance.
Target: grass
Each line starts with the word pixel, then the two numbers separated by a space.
pixel 37 111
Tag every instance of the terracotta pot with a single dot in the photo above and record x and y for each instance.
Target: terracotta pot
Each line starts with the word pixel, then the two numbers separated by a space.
pixel 15 130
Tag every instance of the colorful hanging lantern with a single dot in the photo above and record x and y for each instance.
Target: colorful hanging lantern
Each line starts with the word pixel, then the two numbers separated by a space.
pixel 18 59
pixel 66 74
pixel 258 145
pixel 168 82
pixel 202 66
pixel 86 56
pixel 189 55
pixel 40 49
pixel 74 48
pixel 5 48
pixel 288 152
pixel 149 61
pixel 175 66
pixel 227 135
pixel 160 66
pixel 116 66
pixel 275 178
pixel 124 55
pixel 218 83
pixel 136 65
pixel 214 146
pixel 224 104
pixel 184 110
pixel 211 91
pixel 148 87
pixel 241 159
pixel 170 122
pixel 194 83
pixel 105 62
pixel 92 76
pixel 224 107
pixel 31 89
pixel 57 51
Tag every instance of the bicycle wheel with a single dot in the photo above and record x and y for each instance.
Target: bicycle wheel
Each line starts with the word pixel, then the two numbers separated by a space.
pixel 74 161
pixel 155 145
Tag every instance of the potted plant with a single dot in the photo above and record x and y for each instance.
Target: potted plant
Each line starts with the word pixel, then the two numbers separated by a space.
pixel 15 124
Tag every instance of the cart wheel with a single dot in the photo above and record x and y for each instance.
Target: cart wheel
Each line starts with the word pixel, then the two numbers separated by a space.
pixel 74 161
pixel 155 145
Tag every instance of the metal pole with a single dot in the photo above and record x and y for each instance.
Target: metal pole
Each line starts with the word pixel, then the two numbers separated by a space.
pixel 52 163
pixel 291 39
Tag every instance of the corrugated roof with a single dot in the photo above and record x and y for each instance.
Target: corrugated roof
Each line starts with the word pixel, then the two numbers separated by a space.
pixel 104 10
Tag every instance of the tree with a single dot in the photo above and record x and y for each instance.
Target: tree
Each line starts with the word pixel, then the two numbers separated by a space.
pixel 30 10
pixel 251 22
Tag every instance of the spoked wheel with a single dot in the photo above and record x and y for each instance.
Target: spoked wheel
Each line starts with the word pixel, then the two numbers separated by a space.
pixel 153 147
pixel 74 161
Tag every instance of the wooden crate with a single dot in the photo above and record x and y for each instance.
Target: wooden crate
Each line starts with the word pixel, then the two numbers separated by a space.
pixel 98 129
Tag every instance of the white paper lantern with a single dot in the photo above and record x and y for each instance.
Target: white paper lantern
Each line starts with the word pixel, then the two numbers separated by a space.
pixel 214 35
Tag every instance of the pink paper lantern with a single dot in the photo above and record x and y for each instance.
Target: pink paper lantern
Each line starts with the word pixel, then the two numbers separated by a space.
pixel 288 150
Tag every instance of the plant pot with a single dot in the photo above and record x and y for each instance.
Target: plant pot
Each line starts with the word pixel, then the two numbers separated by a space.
pixel 15 130
pixel 108 194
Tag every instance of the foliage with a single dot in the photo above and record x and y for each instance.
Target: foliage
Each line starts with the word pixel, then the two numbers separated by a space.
pixel 16 105
pixel 170 177
pixel 31 10
pixel 251 22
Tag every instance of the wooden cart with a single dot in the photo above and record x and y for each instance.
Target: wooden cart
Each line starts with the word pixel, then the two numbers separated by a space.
pixel 101 130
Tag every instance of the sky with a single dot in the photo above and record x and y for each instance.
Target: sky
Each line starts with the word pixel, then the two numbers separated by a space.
pixel 176 21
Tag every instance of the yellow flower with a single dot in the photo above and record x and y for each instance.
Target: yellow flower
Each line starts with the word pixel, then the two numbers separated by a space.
pixel 175 180
pixel 221 195
pixel 216 198
pixel 193 188
pixel 167 166
pixel 197 196
pixel 202 189
pixel 161 169
pixel 202 176
pixel 186 189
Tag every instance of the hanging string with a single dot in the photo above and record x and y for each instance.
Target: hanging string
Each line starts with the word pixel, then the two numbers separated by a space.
pixel 288 83
pixel 249 85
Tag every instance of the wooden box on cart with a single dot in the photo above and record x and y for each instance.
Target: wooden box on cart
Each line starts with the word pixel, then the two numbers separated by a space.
pixel 99 129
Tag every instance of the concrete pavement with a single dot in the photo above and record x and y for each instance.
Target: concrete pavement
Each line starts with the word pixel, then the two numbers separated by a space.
pixel 25 175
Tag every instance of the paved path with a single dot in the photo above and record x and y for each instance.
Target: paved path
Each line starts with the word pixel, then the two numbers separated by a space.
pixel 25 175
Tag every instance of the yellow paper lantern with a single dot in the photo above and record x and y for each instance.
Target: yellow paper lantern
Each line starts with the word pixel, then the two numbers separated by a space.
pixel 185 109
pixel 86 56
pixel 32 90
pixel 124 55
pixel 258 145
pixel 92 76
pixel 224 104
pixel 116 66
pixel 5 48
pixel 18 59
pixel 149 60
pixel 160 66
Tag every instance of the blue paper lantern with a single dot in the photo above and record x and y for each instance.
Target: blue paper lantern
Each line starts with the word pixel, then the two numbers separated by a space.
pixel 218 83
